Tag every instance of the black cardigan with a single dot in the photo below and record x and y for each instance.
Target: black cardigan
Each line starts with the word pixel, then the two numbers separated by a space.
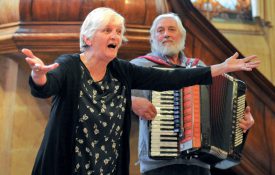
pixel 56 151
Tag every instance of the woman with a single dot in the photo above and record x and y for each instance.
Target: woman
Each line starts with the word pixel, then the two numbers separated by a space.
pixel 89 125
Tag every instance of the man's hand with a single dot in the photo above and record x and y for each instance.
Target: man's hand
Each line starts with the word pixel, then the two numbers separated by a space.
pixel 247 120
pixel 143 108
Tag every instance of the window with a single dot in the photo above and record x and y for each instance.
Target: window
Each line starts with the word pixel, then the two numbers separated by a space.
pixel 225 10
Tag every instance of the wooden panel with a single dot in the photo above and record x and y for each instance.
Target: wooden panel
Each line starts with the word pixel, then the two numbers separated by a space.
pixel 55 10
pixel 8 92
pixel 136 12
pixel 49 28
pixel 9 11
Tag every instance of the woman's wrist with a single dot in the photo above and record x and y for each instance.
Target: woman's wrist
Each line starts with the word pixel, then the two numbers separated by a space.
pixel 218 69
pixel 39 80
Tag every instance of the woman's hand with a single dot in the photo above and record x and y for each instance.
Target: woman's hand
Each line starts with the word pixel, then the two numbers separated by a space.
pixel 246 64
pixel 39 69
pixel 233 64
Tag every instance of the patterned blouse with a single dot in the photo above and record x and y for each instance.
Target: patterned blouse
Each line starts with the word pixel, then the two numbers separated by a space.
pixel 99 128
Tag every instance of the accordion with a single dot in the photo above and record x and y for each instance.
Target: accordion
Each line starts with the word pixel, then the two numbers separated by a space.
pixel 199 121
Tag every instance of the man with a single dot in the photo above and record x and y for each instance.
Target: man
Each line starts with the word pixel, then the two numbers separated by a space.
pixel 167 42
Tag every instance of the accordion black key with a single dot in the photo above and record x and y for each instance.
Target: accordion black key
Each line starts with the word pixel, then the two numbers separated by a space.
pixel 199 121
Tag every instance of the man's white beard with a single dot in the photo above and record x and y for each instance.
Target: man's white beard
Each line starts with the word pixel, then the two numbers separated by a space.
pixel 167 49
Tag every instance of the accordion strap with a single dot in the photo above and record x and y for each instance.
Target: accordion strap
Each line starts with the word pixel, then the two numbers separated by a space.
pixel 160 61
pixel 156 60
pixel 194 62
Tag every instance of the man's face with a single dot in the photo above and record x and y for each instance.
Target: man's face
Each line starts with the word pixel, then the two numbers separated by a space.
pixel 167 37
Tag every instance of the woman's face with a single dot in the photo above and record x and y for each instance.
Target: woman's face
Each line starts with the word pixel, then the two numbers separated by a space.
pixel 106 41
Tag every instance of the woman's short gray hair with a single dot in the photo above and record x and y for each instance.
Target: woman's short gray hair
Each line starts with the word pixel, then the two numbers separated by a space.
pixel 174 16
pixel 96 19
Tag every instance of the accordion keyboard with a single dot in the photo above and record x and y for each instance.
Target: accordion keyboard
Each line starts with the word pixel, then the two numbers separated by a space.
pixel 165 128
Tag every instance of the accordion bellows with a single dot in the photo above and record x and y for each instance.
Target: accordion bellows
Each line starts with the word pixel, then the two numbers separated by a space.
pixel 201 122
